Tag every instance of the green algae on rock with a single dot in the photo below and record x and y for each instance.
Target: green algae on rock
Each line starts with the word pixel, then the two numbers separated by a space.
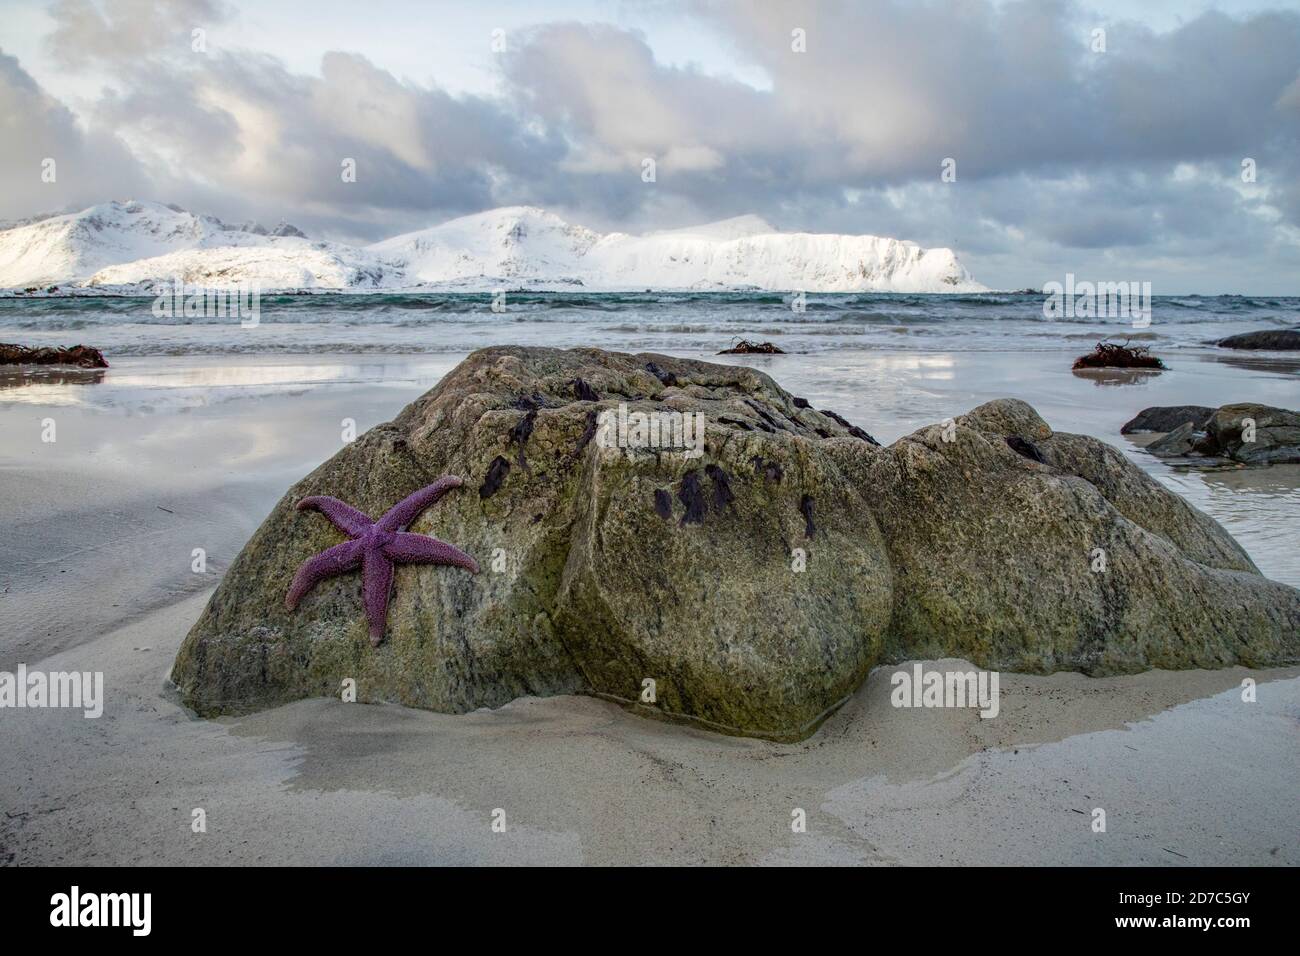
pixel 749 589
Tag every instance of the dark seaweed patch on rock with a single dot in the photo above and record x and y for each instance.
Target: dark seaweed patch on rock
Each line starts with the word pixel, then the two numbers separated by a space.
pixel 762 413
pixel 800 402
pixel 588 433
pixel 806 508
pixel 722 494
pixel 835 418
pixel 521 432
pixel 528 403
pixel 770 470
pixel 854 430
pixel 496 474
pixel 857 432
pixel 663 504
pixel 665 377
pixel 1023 446
pixel 692 496
pixel 584 392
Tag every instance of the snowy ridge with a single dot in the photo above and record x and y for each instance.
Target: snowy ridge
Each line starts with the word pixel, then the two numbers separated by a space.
pixel 73 247
pixel 132 245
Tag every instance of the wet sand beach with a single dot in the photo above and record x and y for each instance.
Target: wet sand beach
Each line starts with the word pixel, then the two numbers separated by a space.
pixel 159 456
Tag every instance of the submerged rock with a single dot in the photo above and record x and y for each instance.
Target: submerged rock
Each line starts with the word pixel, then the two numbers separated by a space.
pixel 1277 339
pixel 748 583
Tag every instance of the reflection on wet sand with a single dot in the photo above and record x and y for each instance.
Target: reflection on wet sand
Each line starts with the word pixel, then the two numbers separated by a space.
pixel 1286 365
pixel 24 376
pixel 1116 376
pixel 1273 481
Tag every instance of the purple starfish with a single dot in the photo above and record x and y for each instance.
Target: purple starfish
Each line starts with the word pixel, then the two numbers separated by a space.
pixel 376 546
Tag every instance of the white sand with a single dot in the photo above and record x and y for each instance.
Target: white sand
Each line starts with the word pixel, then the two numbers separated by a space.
pixel 95 576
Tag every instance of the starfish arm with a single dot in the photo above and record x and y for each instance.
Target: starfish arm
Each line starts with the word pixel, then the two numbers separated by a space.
pixel 408 509
pixel 408 548
pixel 343 516
pixel 376 585
pixel 332 561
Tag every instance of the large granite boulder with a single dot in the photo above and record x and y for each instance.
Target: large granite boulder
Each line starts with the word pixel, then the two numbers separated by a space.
pixel 754 576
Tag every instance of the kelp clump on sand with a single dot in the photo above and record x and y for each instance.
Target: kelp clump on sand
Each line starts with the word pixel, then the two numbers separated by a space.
pixel 746 347
pixel 1113 355
pixel 82 356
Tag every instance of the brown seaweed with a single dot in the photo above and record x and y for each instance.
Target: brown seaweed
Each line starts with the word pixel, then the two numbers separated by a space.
pixel 496 475
pixel 1112 355
pixel 82 356
pixel 746 347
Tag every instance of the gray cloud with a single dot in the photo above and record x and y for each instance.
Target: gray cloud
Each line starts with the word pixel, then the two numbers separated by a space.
pixel 1063 155
pixel 89 164
pixel 126 32
pixel 886 91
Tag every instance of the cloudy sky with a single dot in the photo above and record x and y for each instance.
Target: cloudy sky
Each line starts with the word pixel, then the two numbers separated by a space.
pixel 1119 164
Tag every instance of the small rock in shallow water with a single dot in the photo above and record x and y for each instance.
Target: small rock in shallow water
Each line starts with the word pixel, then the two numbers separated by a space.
pixel 1165 418
pixel 1247 433
pixel 1284 340
pixel 1175 444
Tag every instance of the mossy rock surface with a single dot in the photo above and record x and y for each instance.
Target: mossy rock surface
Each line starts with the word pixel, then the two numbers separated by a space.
pixel 755 584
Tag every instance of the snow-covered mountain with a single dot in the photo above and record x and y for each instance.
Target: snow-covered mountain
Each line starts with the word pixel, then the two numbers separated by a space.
pixel 529 246
pixel 72 248
pixel 125 245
